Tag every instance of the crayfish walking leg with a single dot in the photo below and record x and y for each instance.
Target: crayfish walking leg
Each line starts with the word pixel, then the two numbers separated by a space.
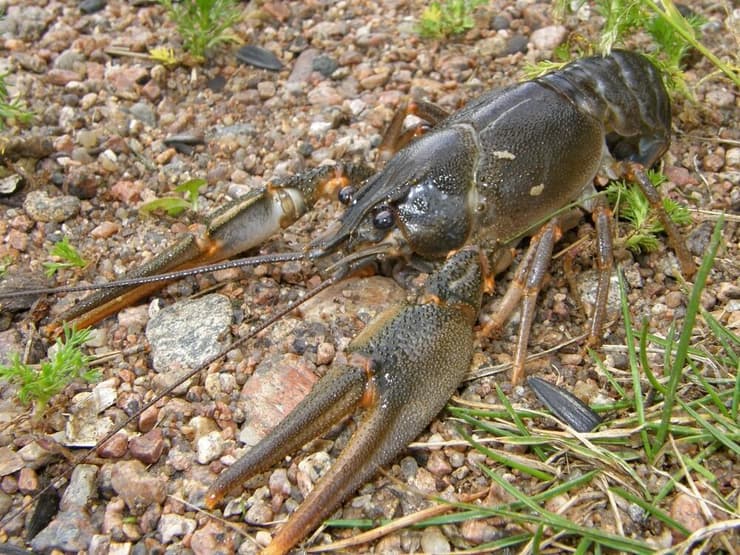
pixel 240 225
pixel 411 360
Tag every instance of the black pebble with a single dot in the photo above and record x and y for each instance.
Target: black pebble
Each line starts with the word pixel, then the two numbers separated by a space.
pixel 258 57
pixel 92 6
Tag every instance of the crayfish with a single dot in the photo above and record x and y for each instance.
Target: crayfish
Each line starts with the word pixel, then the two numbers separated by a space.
pixel 457 195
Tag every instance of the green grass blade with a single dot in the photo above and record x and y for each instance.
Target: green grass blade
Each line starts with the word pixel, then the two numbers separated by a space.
pixel 686 331
pixel 560 523
pixel 514 417
pixel 512 463
pixel 634 366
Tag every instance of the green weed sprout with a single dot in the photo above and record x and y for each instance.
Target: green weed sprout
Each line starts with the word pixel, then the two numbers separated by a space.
pixel 5 263
pixel 39 385
pixel 174 205
pixel 632 206
pixel 446 18
pixel 163 55
pixel 204 24
pixel 65 251
pixel 11 110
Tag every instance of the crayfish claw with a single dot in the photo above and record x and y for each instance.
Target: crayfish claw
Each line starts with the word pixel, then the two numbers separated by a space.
pixel 336 395
pixel 413 359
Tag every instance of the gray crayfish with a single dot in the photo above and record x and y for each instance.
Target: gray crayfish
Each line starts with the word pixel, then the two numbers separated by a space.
pixel 463 192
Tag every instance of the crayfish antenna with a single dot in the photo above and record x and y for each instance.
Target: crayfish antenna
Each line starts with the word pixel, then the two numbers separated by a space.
pixel 112 297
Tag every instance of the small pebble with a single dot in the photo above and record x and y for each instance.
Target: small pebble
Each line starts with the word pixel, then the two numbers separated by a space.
pixel 147 447
pixel 433 541
pixel 62 77
pixel 115 447
pixel 148 419
pixel 728 291
pixel 674 299
pixel 720 98
pixel 732 158
pixel 105 229
pixel 81 487
pixel 686 511
pixel 713 162
pixel 10 184
pixel 28 481
pixel 478 531
pixel 92 6
pixel 108 160
pixel 209 447
pixel 548 38
pixel 137 486
pixel 325 353
pixel 42 208
pixel 517 43
pixel 500 22
pixel 212 538
pixel 266 89
pixel 175 526
pixel 189 332
pixel 324 65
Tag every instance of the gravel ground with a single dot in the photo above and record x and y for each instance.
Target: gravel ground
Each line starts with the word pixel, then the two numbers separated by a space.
pixel 99 147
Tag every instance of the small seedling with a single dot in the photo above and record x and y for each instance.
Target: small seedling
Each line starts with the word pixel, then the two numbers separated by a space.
pixel 446 18
pixel 38 384
pixel 5 262
pixel 163 55
pixel 204 24
pixel 673 34
pixel 631 205
pixel 70 256
pixel 11 110
pixel 174 205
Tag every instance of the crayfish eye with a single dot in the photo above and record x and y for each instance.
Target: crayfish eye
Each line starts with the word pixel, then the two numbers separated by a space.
pixel 383 218
pixel 345 195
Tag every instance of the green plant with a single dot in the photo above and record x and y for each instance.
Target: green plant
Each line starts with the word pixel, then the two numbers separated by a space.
pixel 673 34
pixel 449 17
pixel 204 24
pixel 5 262
pixel 65 251
pixel 38 384
pixel 13 110
pixel 631 205
pixel 174 205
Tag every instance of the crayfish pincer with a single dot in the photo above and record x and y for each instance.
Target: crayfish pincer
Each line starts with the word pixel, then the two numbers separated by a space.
pixel 407 364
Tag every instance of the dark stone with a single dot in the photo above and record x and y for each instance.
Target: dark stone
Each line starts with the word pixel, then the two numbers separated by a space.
pixel 499 23
pixel 46 507
pixel 517 43
pixel 698 239
pixel 216 84
pixel 258 57
pixel 92 6
pixel 564 405
pixel 324 65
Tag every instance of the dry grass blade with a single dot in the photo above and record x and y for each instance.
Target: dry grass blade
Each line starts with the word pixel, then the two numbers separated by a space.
pixel 397 524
